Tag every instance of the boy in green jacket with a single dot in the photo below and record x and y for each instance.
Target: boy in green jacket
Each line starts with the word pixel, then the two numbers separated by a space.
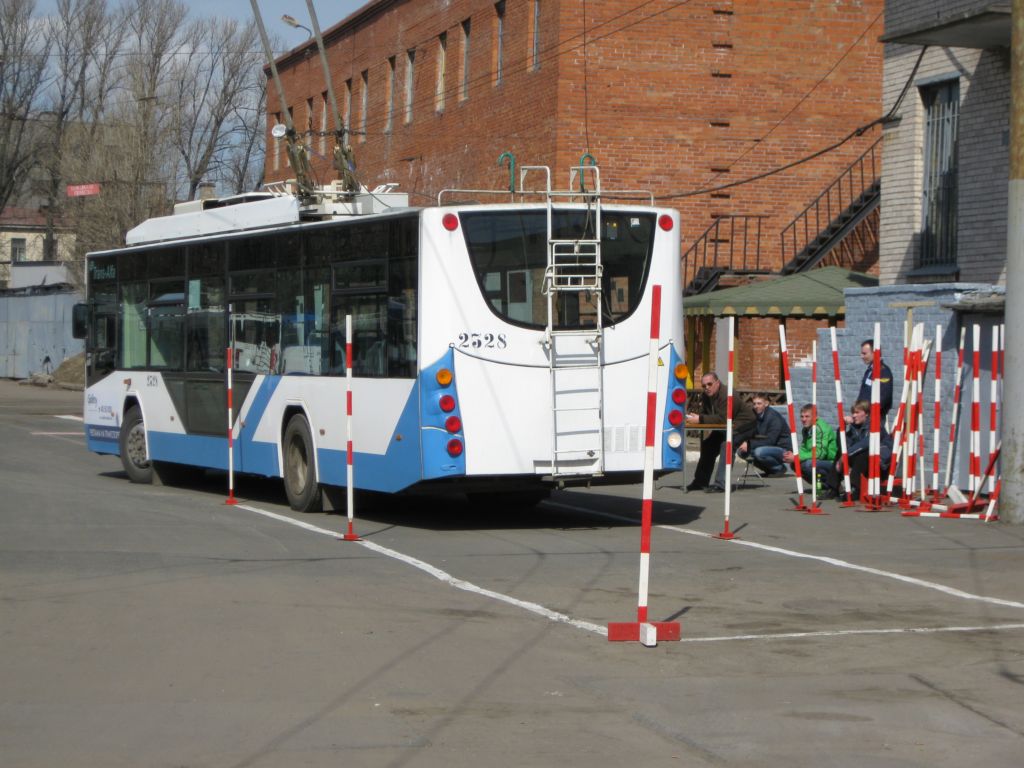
pixel 827 450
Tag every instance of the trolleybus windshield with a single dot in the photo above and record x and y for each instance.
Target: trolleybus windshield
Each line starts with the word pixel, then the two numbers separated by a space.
pixel 509 253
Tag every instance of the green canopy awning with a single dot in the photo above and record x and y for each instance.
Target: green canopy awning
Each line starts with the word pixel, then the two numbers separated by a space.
pixel 817 293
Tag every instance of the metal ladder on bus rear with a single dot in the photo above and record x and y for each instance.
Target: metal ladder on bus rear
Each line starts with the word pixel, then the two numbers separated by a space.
pixel 575 356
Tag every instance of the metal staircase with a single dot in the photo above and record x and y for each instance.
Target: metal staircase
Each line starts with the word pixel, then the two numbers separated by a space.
pixel 844 204
pixel 731 246
pixel 572 285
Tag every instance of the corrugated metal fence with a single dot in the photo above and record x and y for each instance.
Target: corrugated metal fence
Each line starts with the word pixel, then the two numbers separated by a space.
pixel 35 331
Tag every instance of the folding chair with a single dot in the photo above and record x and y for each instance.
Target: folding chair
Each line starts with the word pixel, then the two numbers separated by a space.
pixel 751 471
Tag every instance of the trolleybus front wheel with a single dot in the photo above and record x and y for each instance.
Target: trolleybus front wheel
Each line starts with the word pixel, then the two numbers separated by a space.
pixel 132 440
pixel 300 466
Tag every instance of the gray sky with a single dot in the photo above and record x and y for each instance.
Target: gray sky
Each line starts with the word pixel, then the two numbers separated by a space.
pixel 329 13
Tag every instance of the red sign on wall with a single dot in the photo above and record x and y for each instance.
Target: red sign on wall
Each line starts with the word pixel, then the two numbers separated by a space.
pixel 83 190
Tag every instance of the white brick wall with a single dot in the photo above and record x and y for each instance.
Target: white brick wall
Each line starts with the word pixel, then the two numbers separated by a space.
pixel 983 148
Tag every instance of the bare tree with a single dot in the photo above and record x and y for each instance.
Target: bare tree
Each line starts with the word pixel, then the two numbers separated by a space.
pixel 210 88
pixel 243 168
pixel 83 45
pixel 23 57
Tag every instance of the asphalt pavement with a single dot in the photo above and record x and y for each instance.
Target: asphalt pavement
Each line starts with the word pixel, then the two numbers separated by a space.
pixel 157 626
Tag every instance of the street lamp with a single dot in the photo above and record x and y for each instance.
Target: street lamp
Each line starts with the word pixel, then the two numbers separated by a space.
pixel 291 21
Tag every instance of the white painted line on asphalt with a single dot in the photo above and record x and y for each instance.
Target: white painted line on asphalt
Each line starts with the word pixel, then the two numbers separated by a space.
pixel 70 417
pixel 57 434
pixel 437 573
pixel 952 591
pixel 845 632
pixel 587 626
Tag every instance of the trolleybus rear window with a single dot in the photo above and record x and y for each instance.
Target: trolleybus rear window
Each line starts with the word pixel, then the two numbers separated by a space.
pixel 508 250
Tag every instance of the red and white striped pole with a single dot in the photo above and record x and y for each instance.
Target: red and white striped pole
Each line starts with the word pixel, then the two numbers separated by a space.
pixel 726 533
pixel 350 495
pixel 937 417
pixel 792 419
pixel 814 509
pixel 898 429
pixel 953 430
pixel 913 427
pixel 231 431
pixel 647 632
pixel 842 421
pixel 922 370
pixel 993 412
pixel 874 440
pixel 975 460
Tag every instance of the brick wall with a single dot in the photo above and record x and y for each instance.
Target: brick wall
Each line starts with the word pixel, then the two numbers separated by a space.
pixel 700 94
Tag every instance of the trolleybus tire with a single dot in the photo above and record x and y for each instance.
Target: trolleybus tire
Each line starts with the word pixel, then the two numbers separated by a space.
pixel 132 441
pixel 300 466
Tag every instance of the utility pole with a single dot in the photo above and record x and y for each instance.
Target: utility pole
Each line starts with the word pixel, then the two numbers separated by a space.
pixel 1011 502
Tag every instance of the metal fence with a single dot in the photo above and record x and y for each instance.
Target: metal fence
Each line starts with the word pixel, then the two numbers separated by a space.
pixel 35 331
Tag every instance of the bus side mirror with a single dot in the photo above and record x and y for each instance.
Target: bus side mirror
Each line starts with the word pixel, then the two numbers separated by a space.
pixel 79 321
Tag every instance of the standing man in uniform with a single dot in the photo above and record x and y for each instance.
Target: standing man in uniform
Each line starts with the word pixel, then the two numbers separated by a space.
pixel 867 354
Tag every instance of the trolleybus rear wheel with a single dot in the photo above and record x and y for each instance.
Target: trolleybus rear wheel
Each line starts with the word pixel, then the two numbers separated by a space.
pixel 132 441
pixel 300 466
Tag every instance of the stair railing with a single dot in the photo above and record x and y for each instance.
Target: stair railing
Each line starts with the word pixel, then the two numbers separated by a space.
pixel 732 242
pixel 852 184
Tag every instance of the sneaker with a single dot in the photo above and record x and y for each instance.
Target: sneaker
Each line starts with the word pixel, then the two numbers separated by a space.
pixel 695 486
pixel 714 488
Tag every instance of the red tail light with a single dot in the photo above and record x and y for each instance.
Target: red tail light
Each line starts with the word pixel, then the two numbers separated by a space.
pixel 678 396
pixel 453 424
pixel 665 222
pixel 454 447
pixel 450 222
pixel 675 418
pixel 447 403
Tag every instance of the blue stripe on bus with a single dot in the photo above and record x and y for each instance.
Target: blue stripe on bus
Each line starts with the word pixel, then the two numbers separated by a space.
pixel 258 458
pixel 102 438
pixel 434 438
pixel 394 471
pixel 672 458
pixel 197 450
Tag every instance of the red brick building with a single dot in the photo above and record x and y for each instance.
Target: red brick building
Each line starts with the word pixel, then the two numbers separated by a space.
pixel 675 97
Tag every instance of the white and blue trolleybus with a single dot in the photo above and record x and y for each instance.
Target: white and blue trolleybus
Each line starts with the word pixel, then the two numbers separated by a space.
pixel 500 346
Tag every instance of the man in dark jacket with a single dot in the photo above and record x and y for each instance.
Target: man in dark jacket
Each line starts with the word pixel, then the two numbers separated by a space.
pixel 858 436
pixel 867 354
pixel 771 438
pixel 713 410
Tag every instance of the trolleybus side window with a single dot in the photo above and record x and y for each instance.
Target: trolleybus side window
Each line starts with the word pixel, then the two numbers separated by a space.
pixel 205 325
pixel 508 251
pixel 376 284
pixel 101 343
pixel 166 324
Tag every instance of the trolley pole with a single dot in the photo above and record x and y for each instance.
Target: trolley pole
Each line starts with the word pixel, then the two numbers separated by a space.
pixel 1012 502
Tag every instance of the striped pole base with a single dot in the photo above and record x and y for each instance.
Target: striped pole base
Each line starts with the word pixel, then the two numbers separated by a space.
pixel 648 632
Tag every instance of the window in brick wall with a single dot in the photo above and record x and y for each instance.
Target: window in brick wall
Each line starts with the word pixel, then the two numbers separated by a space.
pixel 324 106
pixel 390 95
pixel 442 71
pixel 535 36
pixel 499 41
pixel 17 249
pixel 464 79
pixel 939 204
pixel 310 130
pixel 348 110
pixel 410 79
pixel 364 102
pixel 277 144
